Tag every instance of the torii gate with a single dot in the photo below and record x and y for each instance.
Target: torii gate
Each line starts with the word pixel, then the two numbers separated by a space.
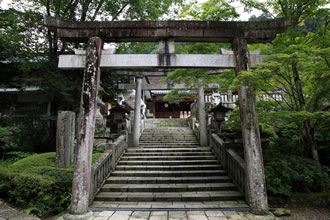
pixel 239 34
pixel 182 86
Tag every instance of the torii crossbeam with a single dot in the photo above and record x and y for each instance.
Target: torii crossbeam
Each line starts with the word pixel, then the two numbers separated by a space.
pixel 239 34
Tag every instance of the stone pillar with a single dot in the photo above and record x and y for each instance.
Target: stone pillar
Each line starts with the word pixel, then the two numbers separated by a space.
pixel 254 166
pixel 166 52
pixel 82 171
pixel 202 120
pixel 137 112
pixel 230 96
pixel 65 134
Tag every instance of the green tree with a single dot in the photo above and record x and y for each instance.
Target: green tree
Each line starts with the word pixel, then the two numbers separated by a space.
pixel 298 64
pixel 211 10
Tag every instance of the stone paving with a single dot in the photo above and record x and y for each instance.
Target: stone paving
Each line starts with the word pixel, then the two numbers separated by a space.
pixel 176 215
pixel 170 205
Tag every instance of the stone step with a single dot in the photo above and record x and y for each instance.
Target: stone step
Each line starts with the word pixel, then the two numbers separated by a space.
pixel 168 187
pixel 168 162
pixel 172 173
pixel 167 129
pixel 170 145
pixel 192 149
pixel 165 180
pixel 177 135
pixel 167 134
pixel 169 158
pixel 172 142
pixel 169 139
pixel 134 154
pixel 196 205
pixel 168 168
pixel 165 196
pixel 169 142
pixel 180 167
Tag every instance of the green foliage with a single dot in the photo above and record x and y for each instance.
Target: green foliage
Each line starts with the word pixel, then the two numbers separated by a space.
pixel 96 156
pixel 17 155
pixel 8 139
pixel 6 163
pixel 177 96
pixel 288 169
pixel 34 184
pixel 297 10
pixel 290 174
pixel 45 193
pixel 211 10
pixel 37 160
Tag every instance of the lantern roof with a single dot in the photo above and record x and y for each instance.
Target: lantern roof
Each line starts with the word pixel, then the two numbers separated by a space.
pixel 119 108
pixel 221 108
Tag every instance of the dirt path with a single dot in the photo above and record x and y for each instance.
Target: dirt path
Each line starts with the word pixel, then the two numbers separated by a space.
pixel 9 213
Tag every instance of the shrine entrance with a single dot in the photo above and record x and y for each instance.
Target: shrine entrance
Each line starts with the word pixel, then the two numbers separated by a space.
pixel 239 34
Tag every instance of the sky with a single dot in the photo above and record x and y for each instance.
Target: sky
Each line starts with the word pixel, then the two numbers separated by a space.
pixel 239 8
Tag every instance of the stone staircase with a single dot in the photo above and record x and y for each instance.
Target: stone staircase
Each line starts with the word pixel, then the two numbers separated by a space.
pixel 169 170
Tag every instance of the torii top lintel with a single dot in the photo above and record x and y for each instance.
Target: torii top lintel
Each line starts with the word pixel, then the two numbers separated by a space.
pixel 182 31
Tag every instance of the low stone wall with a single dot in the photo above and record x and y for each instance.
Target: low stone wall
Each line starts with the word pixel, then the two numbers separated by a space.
pixel 103 167
pixel 230 161
pixel 194 125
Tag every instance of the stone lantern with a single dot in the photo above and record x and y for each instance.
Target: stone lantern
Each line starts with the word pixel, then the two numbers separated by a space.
pixel 219 114
pixel 118 113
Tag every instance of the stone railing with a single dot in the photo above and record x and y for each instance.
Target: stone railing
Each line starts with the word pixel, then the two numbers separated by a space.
pixel 194 125
pixel 230 161
pixel 102 168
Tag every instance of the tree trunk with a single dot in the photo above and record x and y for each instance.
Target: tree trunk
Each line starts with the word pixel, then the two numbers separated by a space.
pixel 311 143
pixel 254 166
pixel 309 130
pixel 297 83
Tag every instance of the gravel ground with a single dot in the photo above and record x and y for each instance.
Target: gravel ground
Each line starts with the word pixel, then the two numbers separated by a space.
pixel 308 214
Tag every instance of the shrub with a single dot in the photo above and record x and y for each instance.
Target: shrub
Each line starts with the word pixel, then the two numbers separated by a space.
pixel 34 183
pixel 8 141
pixel 17 155
pixel 47 191
pixel 44 194
pixel 37 160
pixel 291 174
pixel 288 169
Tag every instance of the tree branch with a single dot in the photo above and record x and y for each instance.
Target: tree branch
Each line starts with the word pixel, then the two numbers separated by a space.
pixel 97 10
pixel 265 91
pixel 120 11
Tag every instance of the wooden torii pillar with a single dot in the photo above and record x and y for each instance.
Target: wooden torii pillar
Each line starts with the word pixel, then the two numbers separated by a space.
pixel 83 164
pixel 238 33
